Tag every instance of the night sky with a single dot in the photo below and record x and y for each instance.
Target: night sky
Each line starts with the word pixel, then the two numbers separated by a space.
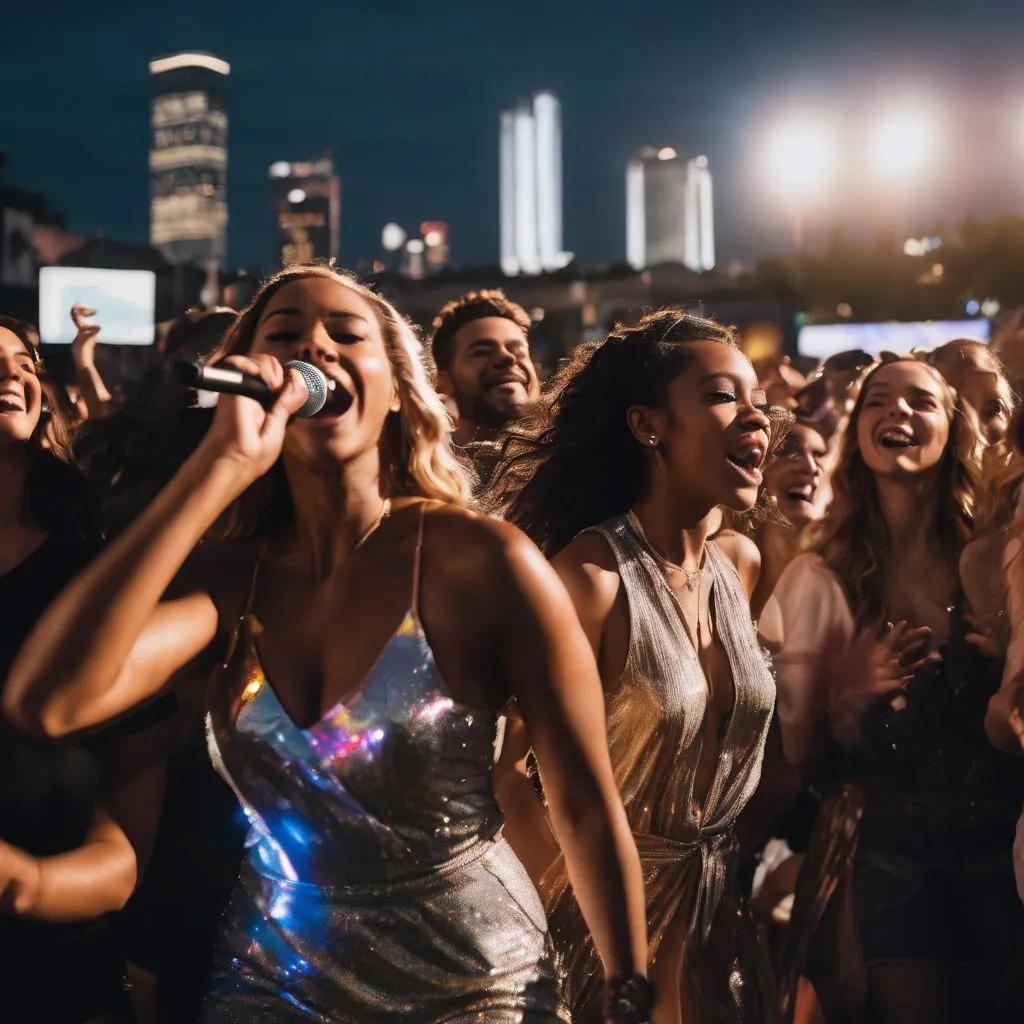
pixel 408 97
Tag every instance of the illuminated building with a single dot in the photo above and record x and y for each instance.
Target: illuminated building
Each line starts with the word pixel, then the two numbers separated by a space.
pixel 530 156
pixel 669 215
pixel 188 158
pixel 307 211
pixel 435 240
pixel 699 220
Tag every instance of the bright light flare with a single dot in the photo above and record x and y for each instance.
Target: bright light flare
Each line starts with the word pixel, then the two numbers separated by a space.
pixel 904 143
pixel 804 156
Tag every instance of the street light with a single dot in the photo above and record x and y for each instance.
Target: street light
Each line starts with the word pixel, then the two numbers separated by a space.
pixel 803 159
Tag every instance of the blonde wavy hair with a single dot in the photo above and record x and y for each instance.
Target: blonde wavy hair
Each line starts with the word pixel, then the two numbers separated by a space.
pixel 1002 475
pixel 416 456
pixel 853 539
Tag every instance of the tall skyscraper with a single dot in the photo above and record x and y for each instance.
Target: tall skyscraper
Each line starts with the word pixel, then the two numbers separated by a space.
pixel 700 220
pixel 307 211
pixel 188 158
pixel 530 153
pixel 669 210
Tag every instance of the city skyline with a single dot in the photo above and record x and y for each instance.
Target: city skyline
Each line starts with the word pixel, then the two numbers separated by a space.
pixel 409 112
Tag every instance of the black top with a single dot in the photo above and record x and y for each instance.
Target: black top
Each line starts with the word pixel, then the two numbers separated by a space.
pixel 55 972
pixel 932 742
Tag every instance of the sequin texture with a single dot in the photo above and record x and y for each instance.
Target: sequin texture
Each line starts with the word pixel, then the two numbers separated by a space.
pixel 377 885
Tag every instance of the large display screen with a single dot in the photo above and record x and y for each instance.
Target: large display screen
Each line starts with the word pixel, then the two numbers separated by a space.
pixel 124 301
pixel 823 340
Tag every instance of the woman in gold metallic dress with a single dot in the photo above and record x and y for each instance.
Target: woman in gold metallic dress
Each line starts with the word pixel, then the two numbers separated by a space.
pixel 374 628
pixel 647 436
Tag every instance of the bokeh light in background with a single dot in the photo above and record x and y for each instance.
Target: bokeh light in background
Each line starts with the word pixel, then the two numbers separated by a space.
pixel 803 155
pixel 803 161
pixel 392 237
pixel 903 143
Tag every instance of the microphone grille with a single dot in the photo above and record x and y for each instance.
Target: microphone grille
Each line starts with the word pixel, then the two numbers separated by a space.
pixel 316 385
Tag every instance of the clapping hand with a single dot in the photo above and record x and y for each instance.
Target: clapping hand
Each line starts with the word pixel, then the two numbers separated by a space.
pixel 871 669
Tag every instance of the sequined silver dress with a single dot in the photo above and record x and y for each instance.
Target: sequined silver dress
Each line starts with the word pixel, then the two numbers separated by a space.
pixel 377 886
pixel 655 721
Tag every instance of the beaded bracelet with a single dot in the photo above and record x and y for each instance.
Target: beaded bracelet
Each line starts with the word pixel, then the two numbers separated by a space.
pixel 628 1001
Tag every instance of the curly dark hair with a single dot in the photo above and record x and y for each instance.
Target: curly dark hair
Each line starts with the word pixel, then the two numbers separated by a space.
pixel 464 310
pixel 575 462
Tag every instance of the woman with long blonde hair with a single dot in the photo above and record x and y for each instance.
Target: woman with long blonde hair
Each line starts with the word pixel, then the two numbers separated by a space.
pixel 368 629
pixel 907 889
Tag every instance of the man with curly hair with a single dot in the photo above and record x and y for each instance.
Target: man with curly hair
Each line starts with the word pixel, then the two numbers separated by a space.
pixel 481 347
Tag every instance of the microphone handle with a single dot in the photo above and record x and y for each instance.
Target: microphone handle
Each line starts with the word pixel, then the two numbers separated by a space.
pixel 226 380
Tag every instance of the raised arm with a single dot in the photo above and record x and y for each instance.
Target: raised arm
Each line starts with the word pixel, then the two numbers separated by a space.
pixel 109 642
pixel 551 669
pixel 95 396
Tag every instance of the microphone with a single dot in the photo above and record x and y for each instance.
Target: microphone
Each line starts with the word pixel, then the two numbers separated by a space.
pixel 226 380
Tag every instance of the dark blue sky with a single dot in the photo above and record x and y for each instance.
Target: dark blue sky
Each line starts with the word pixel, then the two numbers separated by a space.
pixel 408 96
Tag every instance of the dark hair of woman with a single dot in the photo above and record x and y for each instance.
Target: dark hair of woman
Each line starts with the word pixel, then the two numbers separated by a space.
pixel 574 462
pixel 55 496
pixel 853 538
pixel 129 456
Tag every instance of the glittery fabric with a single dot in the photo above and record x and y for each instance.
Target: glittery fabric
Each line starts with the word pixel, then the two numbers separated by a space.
pixel 688 854
pixel 377 886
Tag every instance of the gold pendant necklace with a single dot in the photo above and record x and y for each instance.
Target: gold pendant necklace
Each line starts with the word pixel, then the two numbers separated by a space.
pixel 692 575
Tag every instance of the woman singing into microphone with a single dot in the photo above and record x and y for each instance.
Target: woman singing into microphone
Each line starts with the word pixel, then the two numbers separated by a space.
pixel 368 630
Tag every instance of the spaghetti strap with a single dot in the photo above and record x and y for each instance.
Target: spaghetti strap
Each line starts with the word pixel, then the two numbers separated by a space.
pixel 417 563
pixel 250 596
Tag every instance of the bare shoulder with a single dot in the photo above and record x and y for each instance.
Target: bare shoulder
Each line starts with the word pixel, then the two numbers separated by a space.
pixel 589 570
pixel 471 539
pixel 744 555
pixel 981 574
pixel 982 556
pixel 482 553
pixel 481 559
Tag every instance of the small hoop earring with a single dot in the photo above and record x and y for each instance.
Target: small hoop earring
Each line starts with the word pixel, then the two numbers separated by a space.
pixel 652 440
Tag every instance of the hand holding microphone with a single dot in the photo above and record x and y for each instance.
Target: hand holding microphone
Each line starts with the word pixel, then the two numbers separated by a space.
pixel 250 434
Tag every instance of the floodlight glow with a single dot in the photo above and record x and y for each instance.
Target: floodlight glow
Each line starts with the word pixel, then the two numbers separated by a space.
pixel 903 144
pixel 803 155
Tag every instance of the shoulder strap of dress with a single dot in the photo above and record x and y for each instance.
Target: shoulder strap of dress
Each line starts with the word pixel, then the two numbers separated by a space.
pixel 417 563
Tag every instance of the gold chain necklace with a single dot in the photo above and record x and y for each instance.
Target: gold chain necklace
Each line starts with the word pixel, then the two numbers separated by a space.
pixel 385 511
pixel 692 575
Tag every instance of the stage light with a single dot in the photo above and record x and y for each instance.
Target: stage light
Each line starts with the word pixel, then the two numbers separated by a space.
pixel 903 144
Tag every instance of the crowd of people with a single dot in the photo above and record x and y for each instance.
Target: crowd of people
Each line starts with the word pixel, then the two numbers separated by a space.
pixel 668 689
